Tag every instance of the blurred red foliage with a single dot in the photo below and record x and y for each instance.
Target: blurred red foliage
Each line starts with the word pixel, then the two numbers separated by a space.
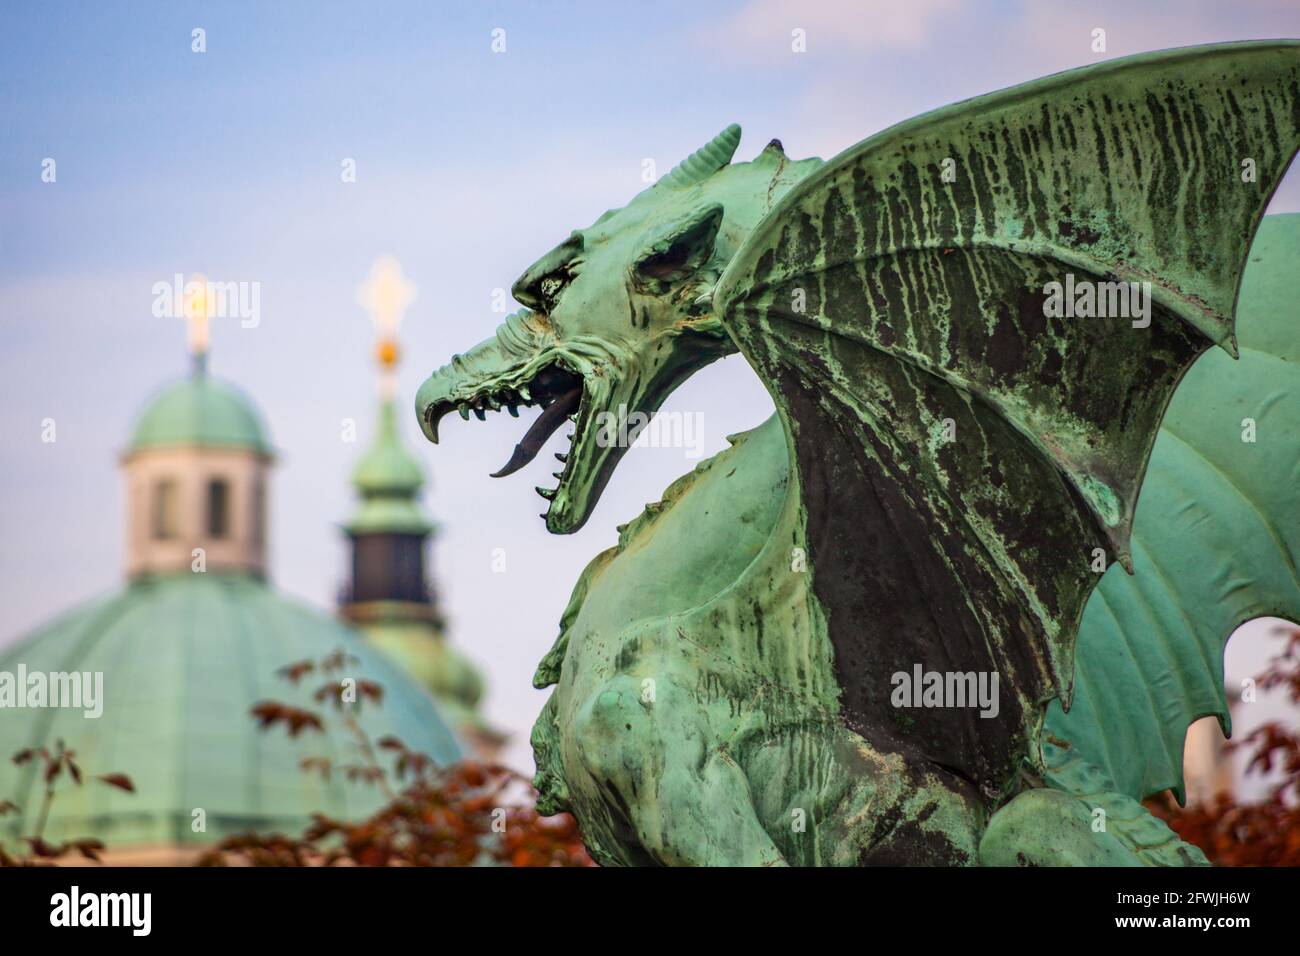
pixel 463 815
pixel 54 765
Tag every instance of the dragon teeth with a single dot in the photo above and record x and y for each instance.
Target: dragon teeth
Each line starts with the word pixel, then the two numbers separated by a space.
pixel 561 456
pixel 547 493
pixel 479 414
pixel 464 411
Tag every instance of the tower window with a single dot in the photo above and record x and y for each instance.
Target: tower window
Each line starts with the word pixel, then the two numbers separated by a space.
pixel 218 508
pixel 165 506
pixel 259 510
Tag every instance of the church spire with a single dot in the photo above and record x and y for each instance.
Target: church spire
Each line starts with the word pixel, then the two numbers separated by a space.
pixel 390 598
pixel 389 528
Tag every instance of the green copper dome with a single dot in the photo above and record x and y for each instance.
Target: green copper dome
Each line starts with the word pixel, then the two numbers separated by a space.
pixel 184 658
pixel 389 479
pixel 200 410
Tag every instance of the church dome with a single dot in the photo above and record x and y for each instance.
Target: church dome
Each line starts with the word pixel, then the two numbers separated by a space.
pixel 200 411
pixel 184 658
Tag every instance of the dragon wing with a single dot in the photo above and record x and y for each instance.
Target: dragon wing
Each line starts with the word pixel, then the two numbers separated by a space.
pixel 965 452
pixel 1216 542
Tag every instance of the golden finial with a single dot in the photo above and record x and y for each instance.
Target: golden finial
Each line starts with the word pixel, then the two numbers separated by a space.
pixel 385 294
pixel 197 312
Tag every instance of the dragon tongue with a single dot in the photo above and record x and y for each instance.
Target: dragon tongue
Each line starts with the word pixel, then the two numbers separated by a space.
pixel 551 418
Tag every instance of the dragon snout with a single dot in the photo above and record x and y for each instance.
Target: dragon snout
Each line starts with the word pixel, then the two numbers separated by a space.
pixel 482 379
pixel 432 401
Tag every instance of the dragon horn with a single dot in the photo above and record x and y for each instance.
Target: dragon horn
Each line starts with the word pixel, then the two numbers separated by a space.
pixel 705 161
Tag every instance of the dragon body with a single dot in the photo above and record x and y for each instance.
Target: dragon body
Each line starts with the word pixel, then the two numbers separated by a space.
pixel 695 718
pixel 713 626
pixel 948 491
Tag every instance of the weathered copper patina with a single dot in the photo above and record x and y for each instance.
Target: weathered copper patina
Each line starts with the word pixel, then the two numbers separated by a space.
pixel 954 461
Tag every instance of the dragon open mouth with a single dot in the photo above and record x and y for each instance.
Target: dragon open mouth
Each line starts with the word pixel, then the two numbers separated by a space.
pixel 594 383
pixel 555 389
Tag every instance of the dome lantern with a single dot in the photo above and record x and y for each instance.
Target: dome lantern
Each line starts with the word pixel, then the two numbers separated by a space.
pixel 196 473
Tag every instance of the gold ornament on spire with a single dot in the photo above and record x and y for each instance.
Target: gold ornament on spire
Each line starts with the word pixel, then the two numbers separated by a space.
pixel 386 294
pixel 198 313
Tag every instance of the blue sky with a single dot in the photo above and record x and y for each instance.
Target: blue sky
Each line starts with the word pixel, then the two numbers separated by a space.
pixel 469 164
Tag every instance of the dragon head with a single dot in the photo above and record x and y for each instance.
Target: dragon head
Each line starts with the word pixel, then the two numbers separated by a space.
pixel 618 315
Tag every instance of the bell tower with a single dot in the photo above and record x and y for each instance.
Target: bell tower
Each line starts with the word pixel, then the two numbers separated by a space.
pixel 389 532
pixel 389 596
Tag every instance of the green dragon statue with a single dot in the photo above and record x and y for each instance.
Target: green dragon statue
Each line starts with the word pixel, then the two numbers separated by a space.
pixel 850 638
